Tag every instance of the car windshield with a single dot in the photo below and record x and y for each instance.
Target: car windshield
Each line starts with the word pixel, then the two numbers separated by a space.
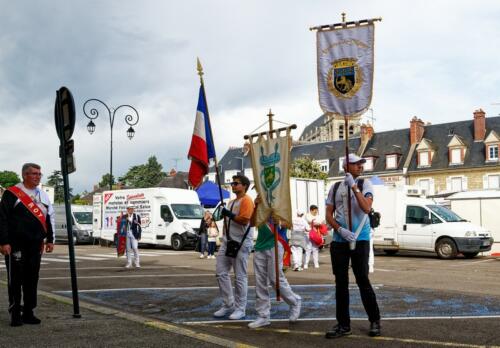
pixel 83 217
pixel 187 211
pixel 445 213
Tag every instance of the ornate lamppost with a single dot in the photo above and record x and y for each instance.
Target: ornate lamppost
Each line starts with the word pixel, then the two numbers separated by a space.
pixel 92 112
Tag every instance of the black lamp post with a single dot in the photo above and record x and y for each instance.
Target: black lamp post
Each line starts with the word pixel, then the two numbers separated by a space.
pixel 131 118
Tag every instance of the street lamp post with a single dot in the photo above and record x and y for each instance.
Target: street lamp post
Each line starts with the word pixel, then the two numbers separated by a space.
pixel 131 118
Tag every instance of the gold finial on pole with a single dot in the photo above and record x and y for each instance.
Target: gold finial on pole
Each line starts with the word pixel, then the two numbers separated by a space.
pixel 199 67
pixel 343 17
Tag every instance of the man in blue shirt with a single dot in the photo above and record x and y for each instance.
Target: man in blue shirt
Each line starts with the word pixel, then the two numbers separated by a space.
pixel 351 244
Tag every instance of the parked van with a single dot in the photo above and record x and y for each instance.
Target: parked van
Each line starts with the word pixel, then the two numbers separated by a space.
pixel 169 216
pixel 410 222
pixel 81 216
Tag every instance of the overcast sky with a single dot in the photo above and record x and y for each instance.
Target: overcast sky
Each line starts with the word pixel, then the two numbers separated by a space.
pixel 436 59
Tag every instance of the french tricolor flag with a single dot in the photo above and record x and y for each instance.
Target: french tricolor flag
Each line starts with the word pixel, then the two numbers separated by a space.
pixel 202 148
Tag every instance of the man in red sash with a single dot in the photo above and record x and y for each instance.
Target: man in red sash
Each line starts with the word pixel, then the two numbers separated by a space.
pixel 26 222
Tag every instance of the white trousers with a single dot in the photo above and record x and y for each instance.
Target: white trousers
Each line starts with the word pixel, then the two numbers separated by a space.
pixel 240 265
pixel 296 256
pixel 311 248
pixel 265 275
pixel 371 256
pixel 132 247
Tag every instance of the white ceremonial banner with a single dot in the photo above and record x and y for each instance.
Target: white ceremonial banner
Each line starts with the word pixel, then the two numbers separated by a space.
pixel 270 164
pixel 345 69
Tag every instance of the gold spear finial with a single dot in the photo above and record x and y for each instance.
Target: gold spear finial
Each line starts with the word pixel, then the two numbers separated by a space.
pixel 199 67
pixel 270 115
pixel 343 17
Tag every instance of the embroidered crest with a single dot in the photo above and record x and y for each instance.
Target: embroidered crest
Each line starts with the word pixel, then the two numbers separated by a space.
pixel 345 78
pixel 270 176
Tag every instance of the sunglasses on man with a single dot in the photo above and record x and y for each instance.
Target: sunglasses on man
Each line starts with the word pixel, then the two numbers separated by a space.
pixel 235 183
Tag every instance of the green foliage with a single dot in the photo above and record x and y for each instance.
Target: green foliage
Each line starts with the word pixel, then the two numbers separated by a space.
pixel 56 181
pixel 145 175
pixel 8 178
pixel 305 167
pixel 105 180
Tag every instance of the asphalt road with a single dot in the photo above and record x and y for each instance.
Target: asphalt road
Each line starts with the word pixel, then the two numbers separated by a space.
pixel 424 301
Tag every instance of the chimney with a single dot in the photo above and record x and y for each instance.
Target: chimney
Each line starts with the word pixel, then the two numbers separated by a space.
pixel 366 132
pixel 416 130
pixel 479 125
pixel 172 172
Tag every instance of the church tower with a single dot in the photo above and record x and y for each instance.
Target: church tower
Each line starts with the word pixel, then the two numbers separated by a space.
pixel 330 127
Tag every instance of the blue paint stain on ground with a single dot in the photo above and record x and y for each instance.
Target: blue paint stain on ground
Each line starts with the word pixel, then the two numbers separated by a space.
pixel 318 301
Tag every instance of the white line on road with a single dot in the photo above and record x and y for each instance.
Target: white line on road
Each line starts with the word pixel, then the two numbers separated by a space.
pixel 88 258
pixel 52 259
pixel 110 267
pixel 135 276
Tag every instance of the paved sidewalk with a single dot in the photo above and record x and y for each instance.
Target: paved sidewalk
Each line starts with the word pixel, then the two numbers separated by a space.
pixel 98 327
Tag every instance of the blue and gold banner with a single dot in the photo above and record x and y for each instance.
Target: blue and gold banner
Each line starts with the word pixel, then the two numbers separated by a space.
pixel 345 69
pixel 270 164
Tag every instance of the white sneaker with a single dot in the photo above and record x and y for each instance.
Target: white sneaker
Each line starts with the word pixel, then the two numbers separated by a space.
pixel 128 265
pixel 137 265
pixel 202 256
pixel 223 311
pixel 295 310
pixel 237 315
pixel 305 267
pixel 300 269
pixel 316 266
pixel 259 322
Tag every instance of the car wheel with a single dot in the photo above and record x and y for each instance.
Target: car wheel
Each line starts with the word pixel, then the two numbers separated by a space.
pixel 177 243
pixel 390 252
pixel 446 249
pixel 470 255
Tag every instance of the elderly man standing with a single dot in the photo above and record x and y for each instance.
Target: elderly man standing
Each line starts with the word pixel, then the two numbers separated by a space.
pixel 351 244
pixel 133 228
pixel 26 216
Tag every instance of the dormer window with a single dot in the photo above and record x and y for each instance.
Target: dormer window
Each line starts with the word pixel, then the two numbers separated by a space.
pixel 492 152
pixel 391 161
pixel 423 159
pixel 324 165
pixel 456 156
pixel 368 166
pixel 456 150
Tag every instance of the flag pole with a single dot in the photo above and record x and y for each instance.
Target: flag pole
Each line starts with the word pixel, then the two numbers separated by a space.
pixel 217 174
pixel 346 132
pixel 276 258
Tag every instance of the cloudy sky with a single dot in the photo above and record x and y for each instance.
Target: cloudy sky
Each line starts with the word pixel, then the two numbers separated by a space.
pixel 436 59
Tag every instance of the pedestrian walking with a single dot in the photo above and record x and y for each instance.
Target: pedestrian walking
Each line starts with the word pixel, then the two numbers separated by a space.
pixel 312 246
pixel 234 251
pixel 213 233
pixel 265 275
pixel 133 229
pixel 26 230
pixel 202 232
pixel 298 240
pixel 351 245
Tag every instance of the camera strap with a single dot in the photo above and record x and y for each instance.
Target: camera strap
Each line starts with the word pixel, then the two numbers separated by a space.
pixel 229 226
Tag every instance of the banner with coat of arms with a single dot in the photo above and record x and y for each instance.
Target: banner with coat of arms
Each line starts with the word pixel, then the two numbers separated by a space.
pixel 270 163
pixel 345 69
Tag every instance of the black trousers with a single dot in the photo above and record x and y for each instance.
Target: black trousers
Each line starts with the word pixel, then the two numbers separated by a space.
pixel 23 267
pixel 340 256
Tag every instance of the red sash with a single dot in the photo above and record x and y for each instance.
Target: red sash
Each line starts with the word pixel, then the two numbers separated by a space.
pixel 29 204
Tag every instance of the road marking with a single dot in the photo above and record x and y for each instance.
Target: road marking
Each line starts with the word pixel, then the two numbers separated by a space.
pixel 52 259
pixel 472 263
pixel 109 267
pixel 78 257
pixel 134 276
pixel 350 337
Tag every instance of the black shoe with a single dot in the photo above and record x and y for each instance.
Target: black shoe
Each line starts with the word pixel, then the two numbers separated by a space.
pixel 15 319
pixel 338 331
pixel 30 319
pixel 374 329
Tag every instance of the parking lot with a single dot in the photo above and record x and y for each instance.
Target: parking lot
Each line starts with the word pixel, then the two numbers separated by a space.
pixel 424 301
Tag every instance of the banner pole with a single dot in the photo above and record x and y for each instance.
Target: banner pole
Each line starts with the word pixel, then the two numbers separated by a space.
pixel 276 256
pixel 346 132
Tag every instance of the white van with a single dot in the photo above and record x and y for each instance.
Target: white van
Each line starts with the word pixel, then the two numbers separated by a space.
pixel 414 223
pixel 169 216
pixel 81 216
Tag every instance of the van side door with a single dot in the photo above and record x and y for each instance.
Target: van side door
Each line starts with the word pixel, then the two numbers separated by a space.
pixel 167 217
pixel 417 230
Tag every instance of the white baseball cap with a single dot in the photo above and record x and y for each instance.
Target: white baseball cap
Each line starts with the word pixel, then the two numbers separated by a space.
pixel 353 158
pixel 130 205
pixel 300 212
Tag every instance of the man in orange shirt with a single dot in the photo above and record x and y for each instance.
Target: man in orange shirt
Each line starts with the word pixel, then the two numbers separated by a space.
pixel 237 222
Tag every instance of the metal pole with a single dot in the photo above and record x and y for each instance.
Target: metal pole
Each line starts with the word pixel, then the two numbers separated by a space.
pixel 69 222
pixel 111 155
pixel 346 130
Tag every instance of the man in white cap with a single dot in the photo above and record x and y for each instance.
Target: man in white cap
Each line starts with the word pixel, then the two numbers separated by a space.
pixel 134 230
pixel 351 244
pixel 298 239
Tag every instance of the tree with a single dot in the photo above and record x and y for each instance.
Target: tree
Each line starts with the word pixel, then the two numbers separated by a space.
pixel 56 181
pixel 8 178
pixel 145 175
pixel 305 167
pixel 105 180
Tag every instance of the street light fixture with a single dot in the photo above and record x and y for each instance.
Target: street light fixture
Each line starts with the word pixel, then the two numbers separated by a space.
pixel 131 118
pixel 242 165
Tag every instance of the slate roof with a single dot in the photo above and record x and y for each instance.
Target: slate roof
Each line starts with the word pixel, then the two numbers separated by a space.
pixel 441 134
pixel 389 142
